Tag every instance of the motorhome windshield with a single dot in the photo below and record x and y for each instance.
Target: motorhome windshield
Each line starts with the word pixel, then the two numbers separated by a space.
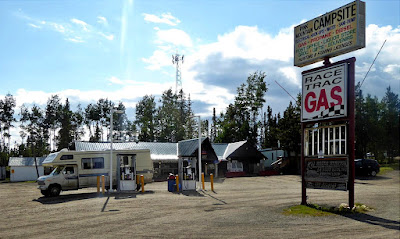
pixel 57 170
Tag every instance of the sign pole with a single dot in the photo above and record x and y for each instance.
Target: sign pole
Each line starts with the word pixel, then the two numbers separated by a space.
pixel 351 130
pixel 303 169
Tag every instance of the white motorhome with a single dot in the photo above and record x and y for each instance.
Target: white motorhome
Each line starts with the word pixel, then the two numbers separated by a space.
pixel 79 169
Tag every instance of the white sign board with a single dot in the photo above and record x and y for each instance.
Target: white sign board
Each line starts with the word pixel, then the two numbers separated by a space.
pixel 334 33
pixel 324 93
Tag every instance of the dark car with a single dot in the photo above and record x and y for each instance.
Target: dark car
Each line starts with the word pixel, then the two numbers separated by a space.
pixel 367 167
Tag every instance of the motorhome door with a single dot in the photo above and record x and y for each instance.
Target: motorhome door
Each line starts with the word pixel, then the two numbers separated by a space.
pixel 71 175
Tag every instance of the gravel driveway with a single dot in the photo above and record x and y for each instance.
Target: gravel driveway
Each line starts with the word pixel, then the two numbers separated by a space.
pixel 249 207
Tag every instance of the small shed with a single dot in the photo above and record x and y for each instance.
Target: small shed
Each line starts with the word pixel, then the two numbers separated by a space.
pixel 188 150
pixel 241 158
pixel 24 169
pixel 272 155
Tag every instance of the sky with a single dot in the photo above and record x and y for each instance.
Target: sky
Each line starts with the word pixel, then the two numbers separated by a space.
pixel 121 50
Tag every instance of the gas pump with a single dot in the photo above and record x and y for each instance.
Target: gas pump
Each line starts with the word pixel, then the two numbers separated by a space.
pixel 126 167
pixel 187 167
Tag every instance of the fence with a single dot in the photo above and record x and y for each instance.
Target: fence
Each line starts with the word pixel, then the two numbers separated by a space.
pixel 2 173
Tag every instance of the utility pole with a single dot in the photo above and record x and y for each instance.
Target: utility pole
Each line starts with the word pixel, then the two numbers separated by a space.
pixel 178 61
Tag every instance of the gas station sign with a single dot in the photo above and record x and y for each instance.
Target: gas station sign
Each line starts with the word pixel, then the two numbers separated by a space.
pixel 324 93
pixel 334 33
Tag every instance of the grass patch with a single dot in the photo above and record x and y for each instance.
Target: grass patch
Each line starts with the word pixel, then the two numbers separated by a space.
pixel 385 168
pixel 315 210
pixel 306 210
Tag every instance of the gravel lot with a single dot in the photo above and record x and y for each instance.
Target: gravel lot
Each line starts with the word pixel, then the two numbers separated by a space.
pixel 248 207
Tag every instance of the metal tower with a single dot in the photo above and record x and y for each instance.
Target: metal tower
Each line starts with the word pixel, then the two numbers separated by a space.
pixel 178 60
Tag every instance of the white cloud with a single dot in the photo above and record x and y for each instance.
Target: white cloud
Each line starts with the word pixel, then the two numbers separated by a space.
pixel 81 23
pixel 174 36
pixel 115 80
pixel 34 26
pixel 102 20
pixel 157 60
pixel 108 37
pixel 57 27
pixel 165 18
pixel 394 70
pixel 291 74
pixel 75 39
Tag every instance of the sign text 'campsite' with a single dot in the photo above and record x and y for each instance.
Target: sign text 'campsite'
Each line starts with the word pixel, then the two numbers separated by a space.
pixel 334 33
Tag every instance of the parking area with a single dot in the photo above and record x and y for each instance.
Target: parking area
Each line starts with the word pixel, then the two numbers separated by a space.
pixel 249 207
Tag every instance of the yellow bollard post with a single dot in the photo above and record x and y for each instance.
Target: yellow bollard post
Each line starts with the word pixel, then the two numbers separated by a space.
pixel 177 183
pixel 212 182
pixel 142 180
pixel 103 181
pixel 137 181
pixel 202 180
pixel 98 184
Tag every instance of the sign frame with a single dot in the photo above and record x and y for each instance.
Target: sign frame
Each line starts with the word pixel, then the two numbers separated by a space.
pixel 334 110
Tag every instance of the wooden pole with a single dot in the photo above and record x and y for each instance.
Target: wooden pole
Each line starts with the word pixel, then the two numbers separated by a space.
pixel 212 182
pixel 142 180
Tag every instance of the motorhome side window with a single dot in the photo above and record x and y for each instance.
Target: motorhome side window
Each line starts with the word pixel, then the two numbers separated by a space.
pixel 86 163
pixel 93 163
pixel 98 162
pixel 67 157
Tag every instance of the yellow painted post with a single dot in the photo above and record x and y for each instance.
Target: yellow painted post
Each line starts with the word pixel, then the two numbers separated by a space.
pixel 98 184
pixel 212 182
pixel 103 181
pixel 142 180
pixel 137 180
pixel 177 183
pixel 202 180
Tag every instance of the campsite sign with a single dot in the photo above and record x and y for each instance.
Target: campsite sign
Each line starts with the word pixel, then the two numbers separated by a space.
pixel 334 33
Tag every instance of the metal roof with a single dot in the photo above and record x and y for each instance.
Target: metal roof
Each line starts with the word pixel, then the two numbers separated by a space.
pixel 158 151
pixel 187 148
pixel 232 147
pixel 25 161
pixel 220 149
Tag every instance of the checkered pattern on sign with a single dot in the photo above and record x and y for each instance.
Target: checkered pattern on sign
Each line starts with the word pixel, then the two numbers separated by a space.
pixel 335 110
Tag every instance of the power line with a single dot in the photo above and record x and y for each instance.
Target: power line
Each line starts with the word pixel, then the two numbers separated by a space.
pixel 286 92
pixel 372 63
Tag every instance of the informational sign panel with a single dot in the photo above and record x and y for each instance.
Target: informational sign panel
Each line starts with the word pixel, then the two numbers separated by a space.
pixel 327 173
pixel 327 185
pixel 324 93
pixel 334 33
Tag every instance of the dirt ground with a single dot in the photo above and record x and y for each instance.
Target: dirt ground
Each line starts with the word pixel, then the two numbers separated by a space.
pixel 249 207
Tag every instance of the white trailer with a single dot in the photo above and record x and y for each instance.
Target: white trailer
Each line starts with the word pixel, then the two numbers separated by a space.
pixel 79 169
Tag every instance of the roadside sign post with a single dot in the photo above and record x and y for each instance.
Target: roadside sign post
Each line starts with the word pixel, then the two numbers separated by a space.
pixel 335 170
pixel 328 94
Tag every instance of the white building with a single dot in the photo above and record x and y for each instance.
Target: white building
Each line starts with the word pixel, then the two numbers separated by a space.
pixel 24 169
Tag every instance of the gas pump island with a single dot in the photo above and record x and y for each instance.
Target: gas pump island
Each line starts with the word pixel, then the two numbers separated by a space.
pixel 327 105
pixel 193 156
pixel 126 172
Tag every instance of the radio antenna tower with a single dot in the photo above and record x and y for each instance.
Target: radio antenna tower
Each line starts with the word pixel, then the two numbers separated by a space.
pixel 178 61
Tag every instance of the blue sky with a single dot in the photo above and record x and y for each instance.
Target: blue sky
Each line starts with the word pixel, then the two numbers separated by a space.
pixel 121 50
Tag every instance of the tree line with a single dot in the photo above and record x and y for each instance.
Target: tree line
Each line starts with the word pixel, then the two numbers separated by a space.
pixel 171 119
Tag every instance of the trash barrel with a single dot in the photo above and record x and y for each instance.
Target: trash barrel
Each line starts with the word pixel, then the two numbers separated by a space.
pixel 171 183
